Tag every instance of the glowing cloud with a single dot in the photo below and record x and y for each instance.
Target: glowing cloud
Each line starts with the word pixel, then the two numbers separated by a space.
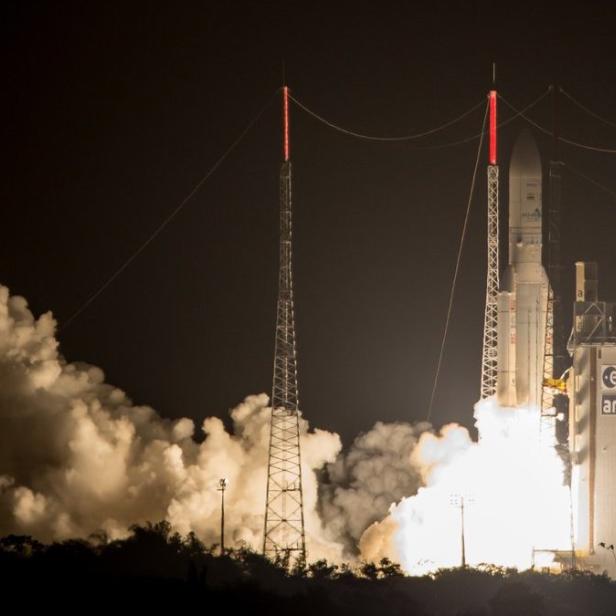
pixel 77 457
pixel 512 485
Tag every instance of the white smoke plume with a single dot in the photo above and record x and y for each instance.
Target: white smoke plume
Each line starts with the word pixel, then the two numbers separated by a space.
pixel 361 485
pixel 516 506
pixel 77 457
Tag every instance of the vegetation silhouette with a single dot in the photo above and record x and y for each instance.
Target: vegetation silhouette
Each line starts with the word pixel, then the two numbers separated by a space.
pixel 156 567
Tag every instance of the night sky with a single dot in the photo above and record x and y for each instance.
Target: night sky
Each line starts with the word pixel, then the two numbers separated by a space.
pixel 115 112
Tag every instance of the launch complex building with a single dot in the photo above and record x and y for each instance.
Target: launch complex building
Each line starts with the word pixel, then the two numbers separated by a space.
pixel 526 361
pixel 592 423
pixel 576 399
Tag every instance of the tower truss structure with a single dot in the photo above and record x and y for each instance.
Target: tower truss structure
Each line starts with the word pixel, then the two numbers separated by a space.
pixel 548 412
pixel 283 535
pixel 555 267
pixel 554 401
pixel 489 357
pixel 554 264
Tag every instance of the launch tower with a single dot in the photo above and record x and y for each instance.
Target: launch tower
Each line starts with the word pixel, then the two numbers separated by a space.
pixel 284 511
pixel 561 360
pixel 556 359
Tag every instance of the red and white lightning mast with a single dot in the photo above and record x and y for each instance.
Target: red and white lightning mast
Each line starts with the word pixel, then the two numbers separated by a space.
pixel 283 534
pixel 489 361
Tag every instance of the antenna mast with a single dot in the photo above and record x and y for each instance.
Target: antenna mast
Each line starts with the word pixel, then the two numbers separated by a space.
pixel 283 534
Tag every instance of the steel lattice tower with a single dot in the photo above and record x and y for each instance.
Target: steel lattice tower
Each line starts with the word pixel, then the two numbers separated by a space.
pixel 555 352
pixel 284 510
pixel 547 395
pixel 554 260
pixel 489 358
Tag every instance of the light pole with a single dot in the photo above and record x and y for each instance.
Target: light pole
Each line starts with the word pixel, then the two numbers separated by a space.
pixel 222 486
pixel 457 500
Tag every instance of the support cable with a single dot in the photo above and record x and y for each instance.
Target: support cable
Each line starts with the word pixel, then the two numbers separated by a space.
pixel 500 125
pixel 544 130
pixel 158 230
pixel 425 133
pixel 587 110
pixel 590 180
pixel 347 131
pixel 457 268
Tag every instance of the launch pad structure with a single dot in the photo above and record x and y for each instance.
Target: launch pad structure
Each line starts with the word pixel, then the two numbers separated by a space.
pixel 523 357
pixel 518 354
pixel 528 350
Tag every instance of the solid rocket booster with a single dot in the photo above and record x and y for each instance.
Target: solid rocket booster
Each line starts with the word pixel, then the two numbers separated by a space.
pixel 523 298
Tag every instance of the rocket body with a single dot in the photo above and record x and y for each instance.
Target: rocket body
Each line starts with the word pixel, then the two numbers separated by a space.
pixel 523 297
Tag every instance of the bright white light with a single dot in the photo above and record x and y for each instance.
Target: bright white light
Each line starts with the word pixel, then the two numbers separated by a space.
pixel 516 482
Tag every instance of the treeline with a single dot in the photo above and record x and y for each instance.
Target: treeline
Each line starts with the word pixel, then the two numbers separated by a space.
pixel 155 568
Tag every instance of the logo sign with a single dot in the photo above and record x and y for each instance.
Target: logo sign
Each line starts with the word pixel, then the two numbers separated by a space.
pixel 609 377
pixel 608 404
pixel 532 215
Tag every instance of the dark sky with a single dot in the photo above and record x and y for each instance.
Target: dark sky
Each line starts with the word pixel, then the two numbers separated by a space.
pixel 115 112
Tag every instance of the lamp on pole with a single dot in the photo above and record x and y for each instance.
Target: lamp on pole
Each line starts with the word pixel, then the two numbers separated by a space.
pixel 458 500
pixel 222 486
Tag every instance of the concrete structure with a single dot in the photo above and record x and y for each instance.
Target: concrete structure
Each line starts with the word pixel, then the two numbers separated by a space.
pixel 592 425
pixel 523 298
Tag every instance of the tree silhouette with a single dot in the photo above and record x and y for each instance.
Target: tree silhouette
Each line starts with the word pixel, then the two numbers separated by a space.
pixel 157 567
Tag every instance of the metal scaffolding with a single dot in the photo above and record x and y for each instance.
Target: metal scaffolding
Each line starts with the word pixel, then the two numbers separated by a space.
pixel 489 360
pixel 548 412
pixel 555 267
pixel 554 401
pixel 283 535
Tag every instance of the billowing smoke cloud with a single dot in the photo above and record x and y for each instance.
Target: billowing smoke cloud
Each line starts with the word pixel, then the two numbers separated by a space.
pixel 77 457
pixel 361 485
pixel 516 506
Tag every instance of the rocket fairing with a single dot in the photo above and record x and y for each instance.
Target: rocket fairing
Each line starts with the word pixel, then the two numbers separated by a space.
pixel 523 297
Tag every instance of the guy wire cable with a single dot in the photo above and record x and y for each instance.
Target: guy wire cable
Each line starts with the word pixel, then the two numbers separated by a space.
pixel 457 268
pixel 158 230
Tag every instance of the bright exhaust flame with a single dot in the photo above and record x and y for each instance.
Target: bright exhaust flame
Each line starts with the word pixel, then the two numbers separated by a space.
pixel 512 485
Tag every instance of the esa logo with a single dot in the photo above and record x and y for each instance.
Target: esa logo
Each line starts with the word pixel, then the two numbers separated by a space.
pixel 609 377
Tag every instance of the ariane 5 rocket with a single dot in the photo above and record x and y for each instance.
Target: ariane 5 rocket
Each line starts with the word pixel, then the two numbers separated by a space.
pixel 524 290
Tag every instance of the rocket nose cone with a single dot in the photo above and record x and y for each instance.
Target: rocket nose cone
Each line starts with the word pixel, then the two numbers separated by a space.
pixel 525 159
